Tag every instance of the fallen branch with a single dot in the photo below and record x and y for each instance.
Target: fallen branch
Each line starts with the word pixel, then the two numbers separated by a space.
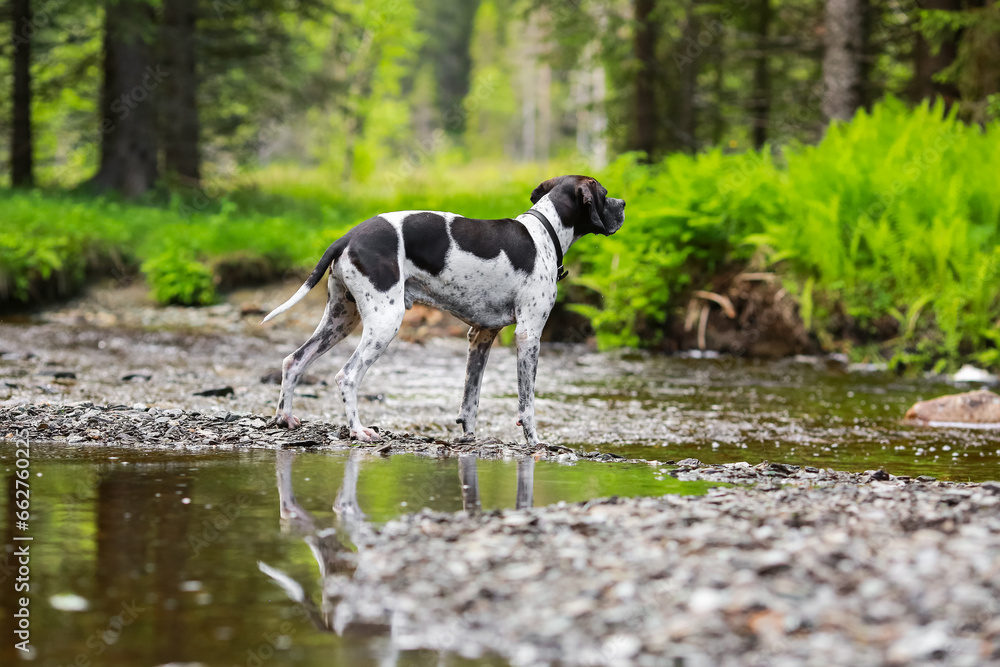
pixel 724 302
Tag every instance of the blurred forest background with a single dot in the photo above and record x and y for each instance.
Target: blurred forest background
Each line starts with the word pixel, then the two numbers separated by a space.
pixel 802 175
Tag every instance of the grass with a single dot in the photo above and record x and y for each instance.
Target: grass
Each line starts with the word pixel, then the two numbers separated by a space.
pixel 282 219
pixel 887 233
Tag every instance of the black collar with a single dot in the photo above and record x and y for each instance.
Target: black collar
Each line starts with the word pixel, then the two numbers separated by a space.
pixel 561 271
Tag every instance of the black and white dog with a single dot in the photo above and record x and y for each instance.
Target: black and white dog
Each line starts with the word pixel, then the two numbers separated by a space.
pixel 488 273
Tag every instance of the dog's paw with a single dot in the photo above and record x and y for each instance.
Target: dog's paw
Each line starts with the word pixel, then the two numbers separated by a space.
pixel 289 421
pixel 365 435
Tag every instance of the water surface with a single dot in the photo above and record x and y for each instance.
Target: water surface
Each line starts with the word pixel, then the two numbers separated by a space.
pixel 726 410
pixel 145 557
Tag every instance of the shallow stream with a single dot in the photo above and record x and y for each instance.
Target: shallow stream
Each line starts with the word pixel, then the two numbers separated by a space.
pixel 804 413
pixel 155 556
pixel 145 558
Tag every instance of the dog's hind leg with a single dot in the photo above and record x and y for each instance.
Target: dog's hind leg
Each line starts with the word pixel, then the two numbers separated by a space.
pixel 480 343
pixel 340 318
pixel 382 313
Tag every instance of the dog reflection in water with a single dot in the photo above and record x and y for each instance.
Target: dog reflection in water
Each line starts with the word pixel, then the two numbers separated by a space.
pixel 339 548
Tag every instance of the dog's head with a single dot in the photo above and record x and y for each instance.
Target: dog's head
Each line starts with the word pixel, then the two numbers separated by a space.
pixel 583 204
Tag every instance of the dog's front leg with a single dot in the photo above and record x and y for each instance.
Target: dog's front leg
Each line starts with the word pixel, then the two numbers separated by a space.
pixel 528 341
pixel 480 343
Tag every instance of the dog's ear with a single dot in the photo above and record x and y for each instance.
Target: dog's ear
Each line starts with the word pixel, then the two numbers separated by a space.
pixel 587 195
pixel 542 190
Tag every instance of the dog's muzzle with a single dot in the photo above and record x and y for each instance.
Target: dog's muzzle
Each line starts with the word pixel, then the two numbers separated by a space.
pixel 614 210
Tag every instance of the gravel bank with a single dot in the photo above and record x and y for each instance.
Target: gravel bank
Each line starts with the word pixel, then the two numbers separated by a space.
pixel 153 428
pixel 820 570
pixel 113 348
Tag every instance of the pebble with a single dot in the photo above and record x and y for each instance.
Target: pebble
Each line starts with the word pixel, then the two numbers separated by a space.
pixel 789 567
pixel 143 426
pixel 809 573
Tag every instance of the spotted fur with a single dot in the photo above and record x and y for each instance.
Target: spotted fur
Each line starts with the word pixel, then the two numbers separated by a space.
pixel 488 273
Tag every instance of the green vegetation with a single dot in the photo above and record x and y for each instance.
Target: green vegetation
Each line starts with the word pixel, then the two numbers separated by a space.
pixel 891 223
pixel 177 277
pixel 189 243
pixel 895 215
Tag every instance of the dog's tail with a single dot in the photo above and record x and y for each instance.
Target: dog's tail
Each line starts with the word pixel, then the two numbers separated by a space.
pixel 329 257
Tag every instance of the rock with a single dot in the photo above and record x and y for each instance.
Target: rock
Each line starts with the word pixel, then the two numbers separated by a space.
pixel 969 373
pixel 310 443
pixel 867 368
pixel 274 377
pixel 738 572
pixel 60 375
pixel 920 642
pixel 975 407
pixel 221 391
pixel 69 602
pixel 783 468
pixel 252 309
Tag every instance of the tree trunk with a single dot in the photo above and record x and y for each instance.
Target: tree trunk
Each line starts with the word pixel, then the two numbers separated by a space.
pixel 718 93
pixel 21 148
pixel 544 134
pixel 179 110
pixel 843 61
pixel 588 93
pixel 927 64
pixel 686 126
pixel 598 117
pixel 760 105
pixel 127 125
pixel 528 65
pixel 645 127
